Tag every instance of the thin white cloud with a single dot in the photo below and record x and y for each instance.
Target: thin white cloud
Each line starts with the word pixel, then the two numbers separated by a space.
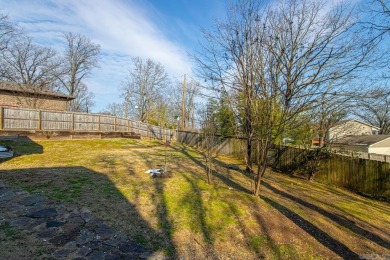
pixel 122 28
pixel 126 28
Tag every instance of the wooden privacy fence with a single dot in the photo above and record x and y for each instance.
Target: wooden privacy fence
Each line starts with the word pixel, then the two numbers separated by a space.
pixel 369 176
pixel 24 119
pixel 228 146
pixel 369 156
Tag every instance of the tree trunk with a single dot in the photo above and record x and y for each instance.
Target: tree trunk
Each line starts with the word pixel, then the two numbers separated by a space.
pixel 261 166
pixel 248 155
pixel 260 173
pixel 209 175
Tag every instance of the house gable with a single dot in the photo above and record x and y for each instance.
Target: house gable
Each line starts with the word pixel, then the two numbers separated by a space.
pixel 383 143
pixel 350 127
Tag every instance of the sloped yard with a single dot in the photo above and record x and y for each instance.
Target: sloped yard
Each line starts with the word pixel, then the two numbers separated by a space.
pixel 184 217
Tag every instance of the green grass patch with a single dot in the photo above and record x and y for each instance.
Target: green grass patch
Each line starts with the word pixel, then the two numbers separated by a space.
pixel 10 233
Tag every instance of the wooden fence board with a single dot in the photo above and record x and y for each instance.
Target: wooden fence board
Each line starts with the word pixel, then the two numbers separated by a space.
pixel 50 120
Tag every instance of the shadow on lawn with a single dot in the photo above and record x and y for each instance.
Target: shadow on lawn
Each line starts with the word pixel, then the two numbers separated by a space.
pixel 229 182
pixel 193 199
pixel 81 187
pixel 338 219
pixel 164 221
pixel 22 145
pixel 321 236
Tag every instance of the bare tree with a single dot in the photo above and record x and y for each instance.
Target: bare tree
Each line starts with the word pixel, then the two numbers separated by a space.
pixel 115 109
pixel 281 58
pixel 316 123
pixel 84 99
pixel 33 68
pixel 8 31
pixel 209 132
pixel 81 56
pixel 30 64
pixel 143 85
pixel 226 60
pixel 374 108
pixel 379 21
pixel 192 92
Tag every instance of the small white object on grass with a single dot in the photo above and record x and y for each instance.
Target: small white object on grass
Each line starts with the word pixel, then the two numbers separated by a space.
pixel 153 172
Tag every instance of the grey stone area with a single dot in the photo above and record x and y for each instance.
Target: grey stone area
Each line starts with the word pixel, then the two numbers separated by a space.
pixel 74 233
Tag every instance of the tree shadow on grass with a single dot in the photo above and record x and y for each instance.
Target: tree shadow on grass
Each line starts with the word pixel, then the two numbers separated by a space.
pixel 337 247
pixel 252 241
pixel 159 198
pixel 200 215
pixel 165 223
pixel 229 182
pixel 80 187
pixel 338 219
pixel 192 199
pixel 321 236
pixel 341 192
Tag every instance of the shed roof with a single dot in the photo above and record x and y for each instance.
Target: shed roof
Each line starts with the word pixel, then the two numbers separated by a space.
pixel 12 87
pixel 365 140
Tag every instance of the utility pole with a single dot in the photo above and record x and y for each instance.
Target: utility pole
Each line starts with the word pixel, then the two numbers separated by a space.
pixel 183 100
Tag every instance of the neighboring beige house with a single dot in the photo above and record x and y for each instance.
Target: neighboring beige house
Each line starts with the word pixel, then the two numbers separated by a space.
pixel 21 95
pixel 351 127
pixel 378 144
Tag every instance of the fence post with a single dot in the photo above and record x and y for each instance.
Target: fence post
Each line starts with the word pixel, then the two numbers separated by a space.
pixel 114 124
pixel 73 122
pixel 39 120
pixel 128 125
pixel 1 118
pixel 99 123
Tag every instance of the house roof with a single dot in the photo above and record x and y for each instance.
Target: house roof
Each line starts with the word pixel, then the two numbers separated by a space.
pixel 12 87
pixel 345 121
pixel 365 140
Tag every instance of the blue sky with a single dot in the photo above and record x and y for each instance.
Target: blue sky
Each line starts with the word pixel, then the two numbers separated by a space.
pixel 163 30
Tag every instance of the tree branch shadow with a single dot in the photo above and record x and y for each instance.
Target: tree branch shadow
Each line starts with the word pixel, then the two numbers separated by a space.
pixel 321 236
pixel 229 182
pixel 338 219
pixel 164 221
pixel 201 217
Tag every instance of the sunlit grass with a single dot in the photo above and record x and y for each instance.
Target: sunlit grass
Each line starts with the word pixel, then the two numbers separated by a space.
pixel 183 215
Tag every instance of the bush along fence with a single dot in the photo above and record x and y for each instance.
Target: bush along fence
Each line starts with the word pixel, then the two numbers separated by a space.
pixel 367 176
pixel 23 119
